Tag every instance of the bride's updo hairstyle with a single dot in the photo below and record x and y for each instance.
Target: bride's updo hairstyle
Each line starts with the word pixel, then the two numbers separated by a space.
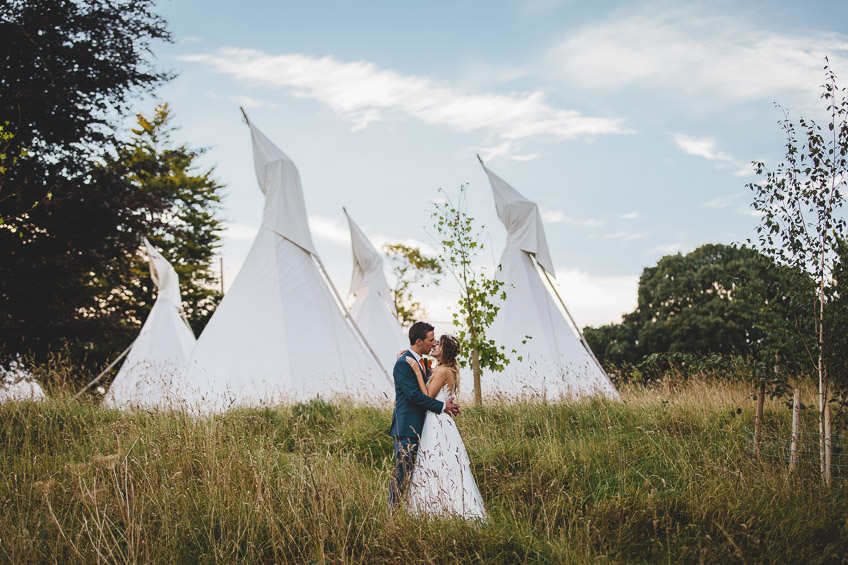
pixel 450 349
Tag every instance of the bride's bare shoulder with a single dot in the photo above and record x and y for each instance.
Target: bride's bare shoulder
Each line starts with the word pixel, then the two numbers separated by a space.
pixel 447 374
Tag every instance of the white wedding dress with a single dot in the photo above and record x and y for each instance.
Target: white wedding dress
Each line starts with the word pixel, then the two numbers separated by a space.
pixel 441 483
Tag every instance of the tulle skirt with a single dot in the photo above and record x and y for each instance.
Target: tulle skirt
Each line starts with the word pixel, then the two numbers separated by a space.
pixel 441 483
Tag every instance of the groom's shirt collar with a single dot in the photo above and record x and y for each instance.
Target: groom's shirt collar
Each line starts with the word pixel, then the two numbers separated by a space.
pixel 417 357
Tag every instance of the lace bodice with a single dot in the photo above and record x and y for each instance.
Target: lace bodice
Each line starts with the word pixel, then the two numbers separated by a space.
pixel 445 393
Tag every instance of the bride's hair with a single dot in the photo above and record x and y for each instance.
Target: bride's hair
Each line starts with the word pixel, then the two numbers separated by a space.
pixel 450 350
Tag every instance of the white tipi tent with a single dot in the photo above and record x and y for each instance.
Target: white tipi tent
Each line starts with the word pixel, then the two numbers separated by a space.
pixel 374 310
pixel 17 384
pixel 279 335
pixel 555 363
pixel 162 347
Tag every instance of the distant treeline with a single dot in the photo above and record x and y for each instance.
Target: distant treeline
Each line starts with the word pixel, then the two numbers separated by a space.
pixel 725 300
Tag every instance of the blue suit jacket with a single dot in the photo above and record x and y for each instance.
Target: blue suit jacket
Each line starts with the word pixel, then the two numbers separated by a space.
pixel 411 404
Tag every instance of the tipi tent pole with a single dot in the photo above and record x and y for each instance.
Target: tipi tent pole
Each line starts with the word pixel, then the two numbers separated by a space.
pixel 106 370
pixel 573 323
pixel 350 318
pixel 185 319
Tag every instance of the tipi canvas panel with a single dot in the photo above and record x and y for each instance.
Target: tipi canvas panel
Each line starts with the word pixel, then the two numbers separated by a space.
pixel 159 353
pixel 554 364
pixel 278 336
pixel 374 310
pixel 157 357
pixel 380 327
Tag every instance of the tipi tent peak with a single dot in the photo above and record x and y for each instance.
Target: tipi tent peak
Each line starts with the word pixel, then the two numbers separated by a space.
pixel 162 347
pixel 374 310
pixel 280 334
pixel 556 361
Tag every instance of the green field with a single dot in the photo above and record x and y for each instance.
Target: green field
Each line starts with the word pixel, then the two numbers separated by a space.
pixel 662 476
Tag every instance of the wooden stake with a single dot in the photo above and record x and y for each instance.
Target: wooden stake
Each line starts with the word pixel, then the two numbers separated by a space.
pixel 758 423
pixel 796 415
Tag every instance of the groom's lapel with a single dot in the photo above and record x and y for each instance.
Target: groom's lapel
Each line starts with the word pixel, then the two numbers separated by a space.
pixel 423 365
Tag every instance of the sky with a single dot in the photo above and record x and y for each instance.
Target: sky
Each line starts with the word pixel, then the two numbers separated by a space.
pixel 633 125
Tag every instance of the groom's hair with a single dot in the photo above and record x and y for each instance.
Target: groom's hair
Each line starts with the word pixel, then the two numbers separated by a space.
pixel 419 330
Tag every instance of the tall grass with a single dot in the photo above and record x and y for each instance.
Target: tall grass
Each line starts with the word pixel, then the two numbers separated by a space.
pixel 662 475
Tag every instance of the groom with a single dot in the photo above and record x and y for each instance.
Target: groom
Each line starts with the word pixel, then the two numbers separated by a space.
pixel 411 406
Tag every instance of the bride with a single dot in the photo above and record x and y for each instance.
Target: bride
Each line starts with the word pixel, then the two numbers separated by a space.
pixel 441 482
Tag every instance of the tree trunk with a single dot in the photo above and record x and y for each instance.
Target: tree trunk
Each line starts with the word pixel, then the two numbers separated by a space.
pixel 475 368
pixel 758 422
pixel 822 376
pixel 828 447
pixel 822 407
pixel 796 415
pixel 822 423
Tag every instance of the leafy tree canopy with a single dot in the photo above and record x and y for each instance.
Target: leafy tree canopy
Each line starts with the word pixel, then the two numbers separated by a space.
pixel 183 225
pixel 67 73
pixel 803 225
pixel 412 269
pixel 460 241
pixel 711 300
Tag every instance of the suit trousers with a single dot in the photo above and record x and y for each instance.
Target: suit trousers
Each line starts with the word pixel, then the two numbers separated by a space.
pixel 405 450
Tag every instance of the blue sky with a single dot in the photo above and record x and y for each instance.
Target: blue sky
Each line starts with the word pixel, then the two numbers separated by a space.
pixel 631 124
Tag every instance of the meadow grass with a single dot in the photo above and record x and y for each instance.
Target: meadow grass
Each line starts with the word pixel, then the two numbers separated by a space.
pixel 662 476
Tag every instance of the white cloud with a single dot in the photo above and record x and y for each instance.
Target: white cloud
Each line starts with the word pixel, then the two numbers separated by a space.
pixel 732 200
pixel 630 215
pixel 362 93
pixel 594 300
pixel 506 149
pixel 707 148
pixel 329 229
pixel 722 201
pixel 249 102
pixel 241 100
pixel 557 216
pixel 748 211
pixel 552 216
pixel 701 147
pixel 696 51
pixel 745 170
